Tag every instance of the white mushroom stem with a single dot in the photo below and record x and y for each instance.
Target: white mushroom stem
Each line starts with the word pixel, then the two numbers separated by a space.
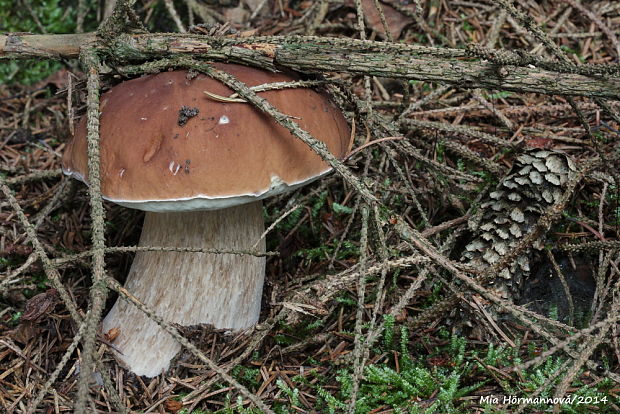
pixel 189 288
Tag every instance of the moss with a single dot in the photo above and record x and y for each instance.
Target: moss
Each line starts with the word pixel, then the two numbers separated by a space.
pixel 55 16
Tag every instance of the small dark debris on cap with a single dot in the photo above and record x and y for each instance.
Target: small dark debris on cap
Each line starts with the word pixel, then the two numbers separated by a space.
pixel 185 113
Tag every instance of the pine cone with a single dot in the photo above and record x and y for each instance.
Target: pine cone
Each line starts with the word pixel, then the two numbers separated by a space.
pixel 536 181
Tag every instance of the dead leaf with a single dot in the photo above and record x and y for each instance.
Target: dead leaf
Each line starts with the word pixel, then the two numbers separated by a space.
pixel 539 142
pixel 40 305
pixel 396 21
pixel 59 79
pixel 112 334
pixel 17 249
pixel 173 406
pixel 25 331
pixel 238 15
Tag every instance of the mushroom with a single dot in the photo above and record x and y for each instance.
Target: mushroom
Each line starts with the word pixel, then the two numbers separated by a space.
pixel 199 167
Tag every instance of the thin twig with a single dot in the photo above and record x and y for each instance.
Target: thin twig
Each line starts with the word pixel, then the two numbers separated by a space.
pixel 98 290
pixel 358 347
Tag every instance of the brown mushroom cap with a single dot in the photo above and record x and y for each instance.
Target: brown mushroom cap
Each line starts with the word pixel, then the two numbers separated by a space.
pixel 228 154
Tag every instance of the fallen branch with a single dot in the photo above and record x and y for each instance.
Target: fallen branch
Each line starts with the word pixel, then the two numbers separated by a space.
pixel 319 54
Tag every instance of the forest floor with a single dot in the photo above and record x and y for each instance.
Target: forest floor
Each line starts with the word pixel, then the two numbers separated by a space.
pixel 343 316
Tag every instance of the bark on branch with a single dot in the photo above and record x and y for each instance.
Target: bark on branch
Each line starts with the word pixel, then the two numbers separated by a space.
pixel 319 54
pixel 24 46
